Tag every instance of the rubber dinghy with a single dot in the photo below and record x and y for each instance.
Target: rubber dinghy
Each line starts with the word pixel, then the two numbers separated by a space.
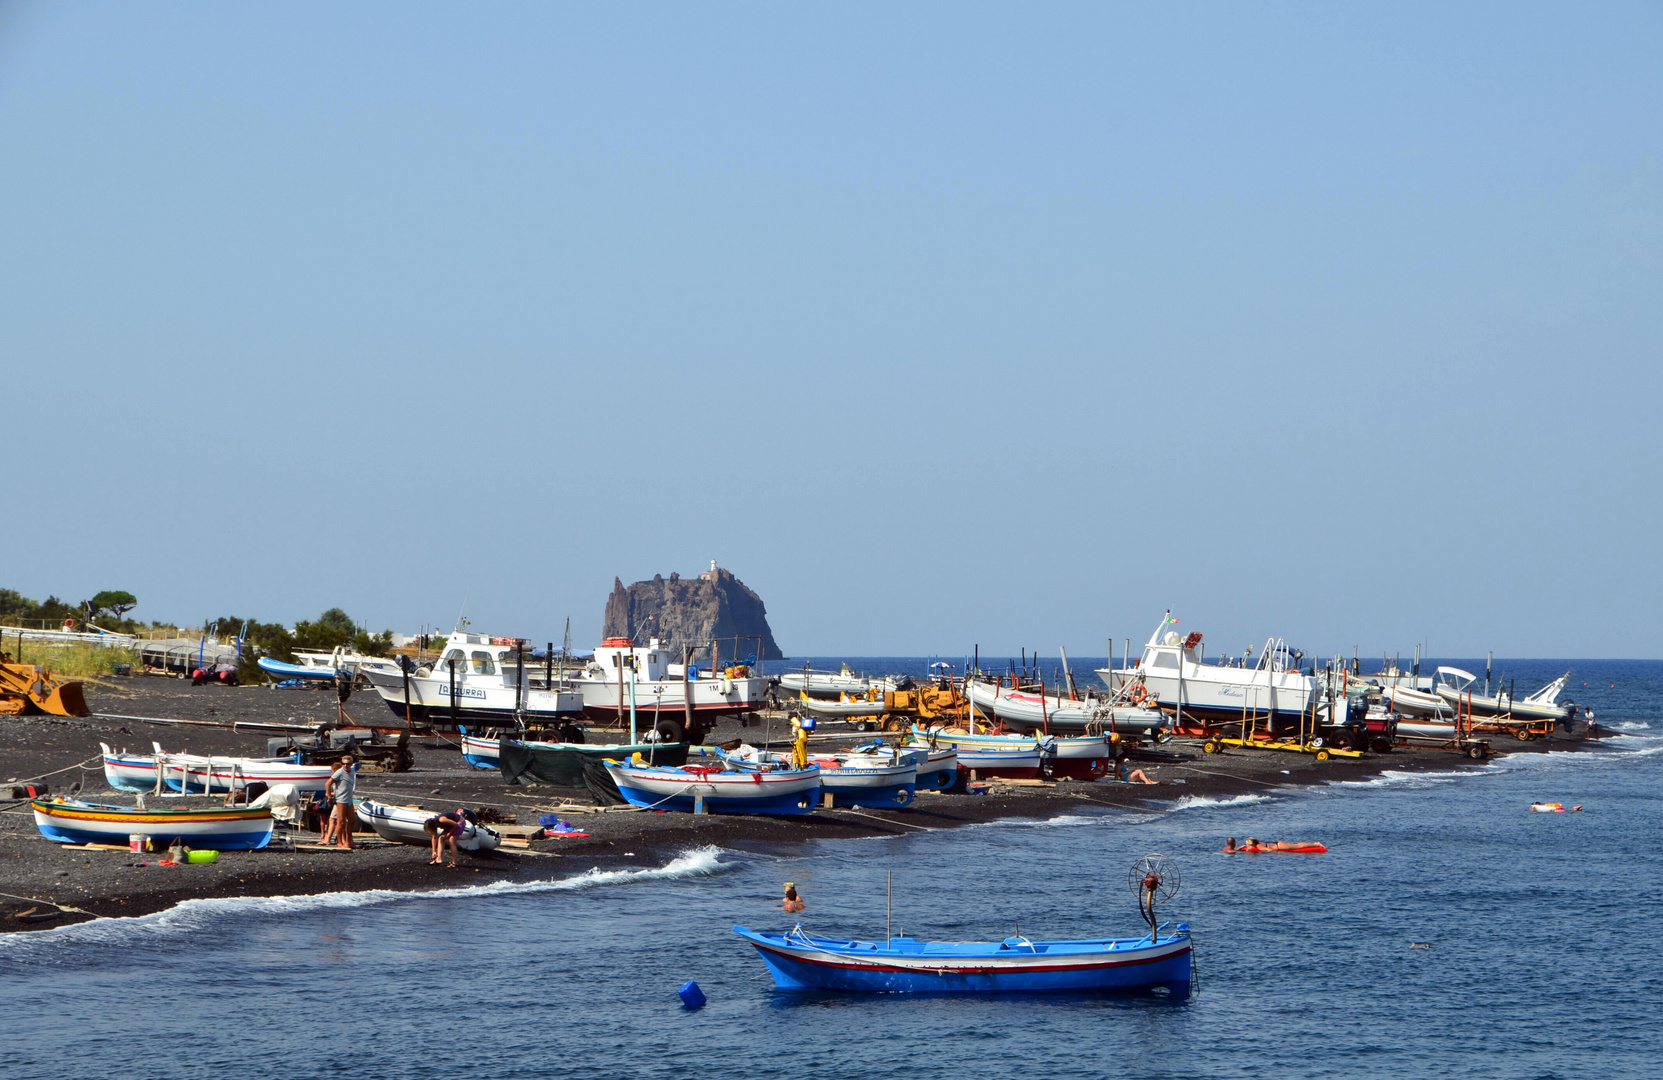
pixel 800 961
pixel 408 825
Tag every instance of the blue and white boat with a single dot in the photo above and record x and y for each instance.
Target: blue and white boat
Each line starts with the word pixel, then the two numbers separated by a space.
pixel 718 789
pixel 800 961
pixel 938 769
pixel 196 774
pixel 877 780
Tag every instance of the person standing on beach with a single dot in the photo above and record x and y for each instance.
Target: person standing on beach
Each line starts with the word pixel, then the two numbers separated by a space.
pixel 342 788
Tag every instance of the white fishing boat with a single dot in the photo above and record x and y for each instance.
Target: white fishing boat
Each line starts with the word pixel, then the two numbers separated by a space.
pixel 199 774
pixel 937 767
pixel 721 789
pixel 494 678
pixel 623 677
pixel 1271 691
pixel 1017 756
pixel 878 777
pixel 408 825
pixel 1025 710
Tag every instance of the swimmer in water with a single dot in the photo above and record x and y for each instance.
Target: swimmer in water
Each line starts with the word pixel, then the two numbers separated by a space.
pixel 793 902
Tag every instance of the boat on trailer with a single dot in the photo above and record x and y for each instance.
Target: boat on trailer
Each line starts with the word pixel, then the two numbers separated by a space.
pixel 494 679
pixel 226 828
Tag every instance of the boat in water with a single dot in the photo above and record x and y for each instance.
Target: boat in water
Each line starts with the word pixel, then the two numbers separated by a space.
pixel 1172 674
pixel 719 788
pixel 408 825
pixel 801 961
pixel 199 774
pixel 226 828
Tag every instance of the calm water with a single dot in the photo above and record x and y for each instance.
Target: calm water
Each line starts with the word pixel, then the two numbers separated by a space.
pixel 1542 926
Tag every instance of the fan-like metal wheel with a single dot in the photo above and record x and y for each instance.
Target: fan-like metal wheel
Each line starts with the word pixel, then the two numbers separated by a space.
pixel 1164 873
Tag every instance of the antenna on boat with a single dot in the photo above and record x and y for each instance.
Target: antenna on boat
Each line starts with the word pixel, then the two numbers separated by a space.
pixel 1154 879
pixel 889 906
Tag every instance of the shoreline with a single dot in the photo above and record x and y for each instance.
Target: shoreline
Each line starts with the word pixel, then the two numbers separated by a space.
pixel 36 871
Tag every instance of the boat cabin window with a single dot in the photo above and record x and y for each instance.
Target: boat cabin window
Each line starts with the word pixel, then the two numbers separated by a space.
pixel 452 657
pixel 483 664
pixel 1164 659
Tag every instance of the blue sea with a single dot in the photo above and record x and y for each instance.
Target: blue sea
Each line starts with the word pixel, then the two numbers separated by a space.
pixel 1542 960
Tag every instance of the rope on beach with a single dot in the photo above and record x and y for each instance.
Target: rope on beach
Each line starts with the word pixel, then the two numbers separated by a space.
pixel 1233 776
pixel 38 900
pixel 54 772
pixel 886 821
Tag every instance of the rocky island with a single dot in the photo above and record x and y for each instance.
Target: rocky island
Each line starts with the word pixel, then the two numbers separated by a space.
pixel 714 607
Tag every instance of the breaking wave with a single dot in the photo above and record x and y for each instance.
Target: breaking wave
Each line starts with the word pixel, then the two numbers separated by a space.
pixel 1195 802
pixel 191 915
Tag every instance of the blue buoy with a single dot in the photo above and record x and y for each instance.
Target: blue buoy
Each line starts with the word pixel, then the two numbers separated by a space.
pixel 691 995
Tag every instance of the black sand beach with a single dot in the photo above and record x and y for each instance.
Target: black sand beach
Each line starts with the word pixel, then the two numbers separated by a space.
pixel 34 871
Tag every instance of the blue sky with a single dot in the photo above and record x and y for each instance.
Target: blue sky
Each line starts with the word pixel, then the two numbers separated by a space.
pixel 938 324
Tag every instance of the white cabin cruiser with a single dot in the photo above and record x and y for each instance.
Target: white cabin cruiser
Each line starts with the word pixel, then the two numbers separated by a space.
pixel 1273 691
pixel 623 676
pixel 1027 711
pixel 494 678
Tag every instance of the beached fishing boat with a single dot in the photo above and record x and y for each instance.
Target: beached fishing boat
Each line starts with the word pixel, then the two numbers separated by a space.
pixel 1014 756
pixel 408 825
pixel 938 768
pixel 494 678
pixel 717 789
pixel 801 961
pixel 221 828
pixel 200 774
pixel 1027 711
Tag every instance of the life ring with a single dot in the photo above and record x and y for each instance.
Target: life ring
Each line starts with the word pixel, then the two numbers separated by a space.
pixel 1139 695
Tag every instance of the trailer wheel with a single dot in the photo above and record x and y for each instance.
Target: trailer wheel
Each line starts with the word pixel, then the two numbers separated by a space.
pixel 1209 747
pixel 1524 734
pixel 1339 739
pixel 1322 755
pixel 1476 752
pixel 1381 745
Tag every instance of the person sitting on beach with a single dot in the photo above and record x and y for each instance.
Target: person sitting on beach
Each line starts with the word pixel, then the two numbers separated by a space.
pixel 442 831
pixel 1129 775
pixel 793 902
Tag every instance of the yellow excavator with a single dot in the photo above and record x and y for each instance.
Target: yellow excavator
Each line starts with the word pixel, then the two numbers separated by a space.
pixel 26 688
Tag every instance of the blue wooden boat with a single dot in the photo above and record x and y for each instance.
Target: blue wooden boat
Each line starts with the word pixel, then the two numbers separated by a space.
pixel 225 828
pixel 801 961
pixel 720 790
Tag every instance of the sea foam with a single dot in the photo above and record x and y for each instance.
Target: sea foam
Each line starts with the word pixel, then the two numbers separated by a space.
pixel 192 915
pixel 1201 802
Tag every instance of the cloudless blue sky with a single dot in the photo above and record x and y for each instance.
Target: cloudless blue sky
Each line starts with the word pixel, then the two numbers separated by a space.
pixel 938 324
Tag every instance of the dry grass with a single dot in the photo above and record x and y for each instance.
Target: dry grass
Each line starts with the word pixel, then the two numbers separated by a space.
pixel 76 661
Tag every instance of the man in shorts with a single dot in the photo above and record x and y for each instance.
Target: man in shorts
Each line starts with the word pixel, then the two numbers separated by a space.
pixel 342 789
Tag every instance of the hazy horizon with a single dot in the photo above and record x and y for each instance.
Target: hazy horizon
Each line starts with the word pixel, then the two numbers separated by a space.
pixel 1015 325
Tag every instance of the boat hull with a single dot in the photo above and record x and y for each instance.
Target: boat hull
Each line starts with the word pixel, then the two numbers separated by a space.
pixel 784 792
pixel 408 825
pixel 220 829
pixel 938 770
pixel 1027 712
pixel 204 776
pixel 800 962
pixel 884 787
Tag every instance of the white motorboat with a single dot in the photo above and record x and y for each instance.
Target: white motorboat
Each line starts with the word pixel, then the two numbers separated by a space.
pixel 1271 691
pixel 1454 687
pixel 408 825
pixel 623 676
pixel 845 708
pixel 835 684
pixel 1027 711
pixel 494 678
pixel 1411 702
